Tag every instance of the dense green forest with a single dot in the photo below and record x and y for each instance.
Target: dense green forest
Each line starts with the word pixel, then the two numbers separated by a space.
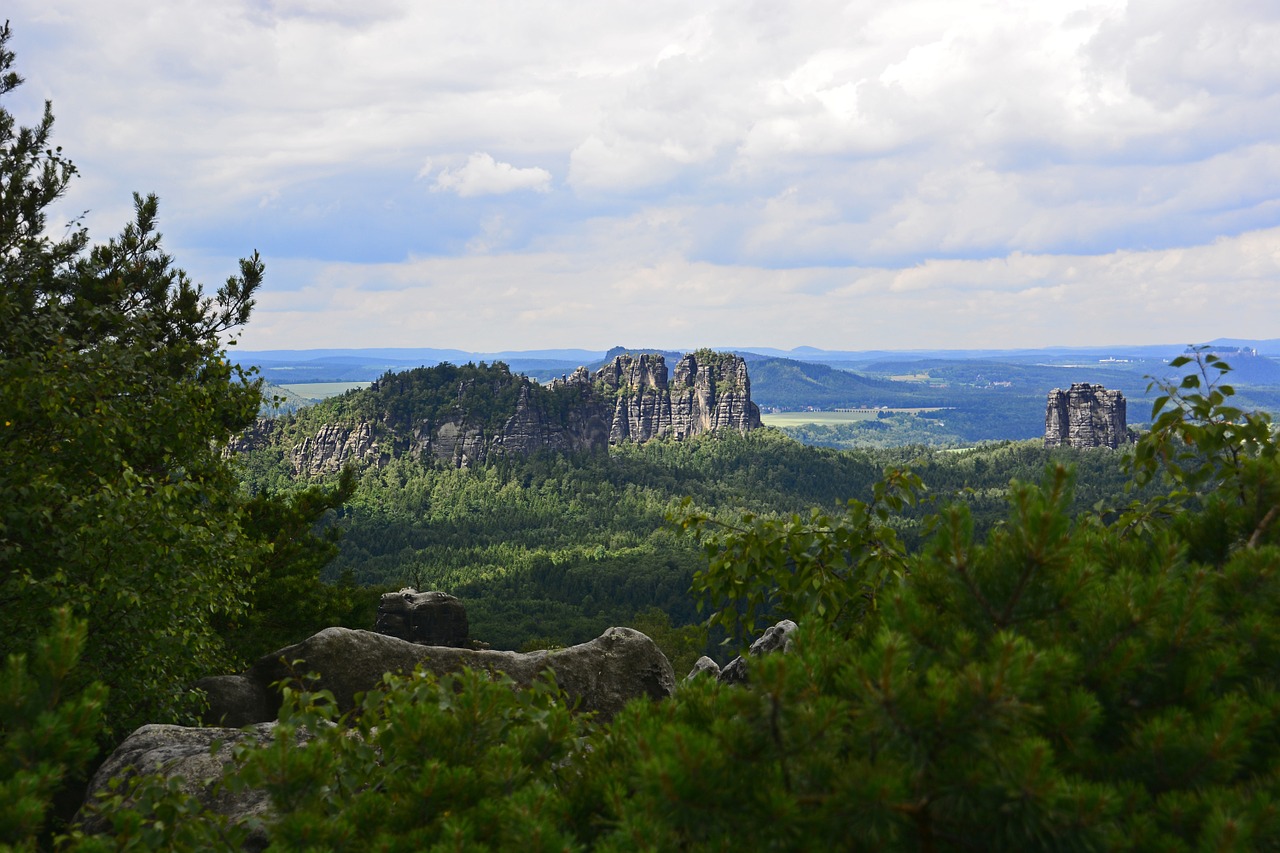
pixel 554 548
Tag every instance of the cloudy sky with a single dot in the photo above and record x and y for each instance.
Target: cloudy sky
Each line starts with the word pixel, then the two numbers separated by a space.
pixel 494 175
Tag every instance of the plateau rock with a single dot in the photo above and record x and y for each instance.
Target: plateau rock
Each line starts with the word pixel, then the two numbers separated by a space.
pixel 494 412
pixel 1085 416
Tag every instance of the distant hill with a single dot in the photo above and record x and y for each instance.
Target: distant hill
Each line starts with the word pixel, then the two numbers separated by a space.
pixel 993 394
pixel 785 383
pixel 461 415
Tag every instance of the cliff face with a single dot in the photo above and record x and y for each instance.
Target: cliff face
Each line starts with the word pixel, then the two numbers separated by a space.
pixel 1085 416
pixel 707 391
pixel 632 398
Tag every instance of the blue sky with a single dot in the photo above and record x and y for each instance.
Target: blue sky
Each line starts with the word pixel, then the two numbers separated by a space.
pixel 519 175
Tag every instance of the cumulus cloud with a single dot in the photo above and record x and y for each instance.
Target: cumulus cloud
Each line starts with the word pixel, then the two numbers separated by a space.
pixel 482 175
pixel 595 299
pixel 837 154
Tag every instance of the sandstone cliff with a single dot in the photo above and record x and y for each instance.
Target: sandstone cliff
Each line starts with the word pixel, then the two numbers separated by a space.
pixel 463 416
pixel 1085 416
pixel 708 391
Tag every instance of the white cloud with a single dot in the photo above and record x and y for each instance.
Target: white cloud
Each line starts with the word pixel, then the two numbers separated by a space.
pixel 784 157
pixel 482 175
pixel 594 298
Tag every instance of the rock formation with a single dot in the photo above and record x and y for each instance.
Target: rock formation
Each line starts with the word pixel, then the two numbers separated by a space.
pixel 707 391
pixel 185 755
pixel 775 639
pixel 428 618
pixel 598 677
pixel 603 675
pixel 334 446
pixel 1085 416
pixel 632 398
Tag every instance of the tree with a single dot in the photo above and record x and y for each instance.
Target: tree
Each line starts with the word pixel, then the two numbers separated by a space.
pixel 116 398
pixel 287 602
pixel 45 737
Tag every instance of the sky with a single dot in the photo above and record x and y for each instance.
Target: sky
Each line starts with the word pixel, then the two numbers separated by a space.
pixel 495 175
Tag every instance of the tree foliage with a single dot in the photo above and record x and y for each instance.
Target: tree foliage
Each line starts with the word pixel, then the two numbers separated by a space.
pixel 116 399
pixel 46 735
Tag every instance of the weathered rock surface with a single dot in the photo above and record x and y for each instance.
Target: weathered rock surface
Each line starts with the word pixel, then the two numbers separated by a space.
pixel 1085 416
pixel 714 394
pixel 632 398
pixel 185 755
pixel 703 666
pixel 333 446
pixel 429 618
pixel 775 639
pixel 601 676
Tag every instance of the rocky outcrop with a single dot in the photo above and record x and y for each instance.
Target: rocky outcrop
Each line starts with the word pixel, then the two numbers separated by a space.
pixel 333 446
pixel 775 639
pixel 712 395
pixel 1085 416
pixel 254 437
pixel 631 398
pixel 601 676
pixel 706 392
pixel 429 618
pixel 454 442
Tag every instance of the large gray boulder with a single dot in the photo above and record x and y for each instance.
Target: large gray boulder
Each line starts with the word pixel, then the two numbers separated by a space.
pixel 185 755
pixel 599 676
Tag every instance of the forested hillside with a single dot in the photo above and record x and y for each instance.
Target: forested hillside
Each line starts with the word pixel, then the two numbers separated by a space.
pixel 556 547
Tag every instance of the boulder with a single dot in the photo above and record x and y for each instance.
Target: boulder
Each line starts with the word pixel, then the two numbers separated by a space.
pixel 186 756
pixel 703 666
pixel 775 639
pixel 599 676
pixel 429 618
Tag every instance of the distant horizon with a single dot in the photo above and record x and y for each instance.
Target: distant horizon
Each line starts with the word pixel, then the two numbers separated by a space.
pixel 800 349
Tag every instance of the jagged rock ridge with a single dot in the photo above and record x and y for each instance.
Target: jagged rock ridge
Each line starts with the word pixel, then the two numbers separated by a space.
pixel 465 415
pixel 1085 416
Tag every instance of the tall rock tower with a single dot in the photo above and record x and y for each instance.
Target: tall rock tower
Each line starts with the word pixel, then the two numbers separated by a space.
pixel 1085 416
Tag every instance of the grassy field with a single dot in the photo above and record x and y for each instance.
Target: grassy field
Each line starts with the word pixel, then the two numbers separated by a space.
pixel 320 390
pixel 787 419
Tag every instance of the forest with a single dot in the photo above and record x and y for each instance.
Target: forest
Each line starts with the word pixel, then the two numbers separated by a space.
pixel 554 548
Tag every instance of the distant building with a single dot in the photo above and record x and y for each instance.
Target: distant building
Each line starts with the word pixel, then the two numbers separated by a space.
pixel 1085 416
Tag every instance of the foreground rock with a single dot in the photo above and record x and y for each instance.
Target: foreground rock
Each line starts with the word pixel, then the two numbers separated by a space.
pixel 185 755
pixel 600 676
